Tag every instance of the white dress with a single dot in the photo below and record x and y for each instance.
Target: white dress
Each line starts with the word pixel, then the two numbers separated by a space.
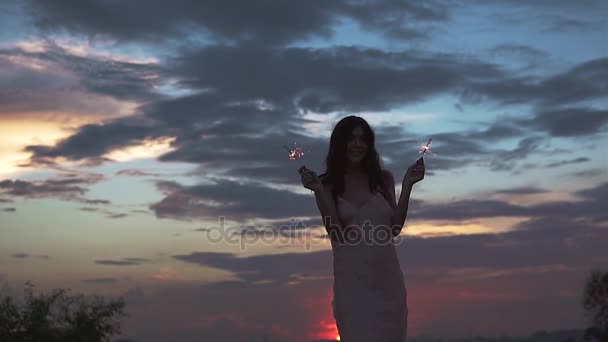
pixel 369 299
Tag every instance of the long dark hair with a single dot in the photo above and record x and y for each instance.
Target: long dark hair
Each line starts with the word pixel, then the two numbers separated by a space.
pixel 335 162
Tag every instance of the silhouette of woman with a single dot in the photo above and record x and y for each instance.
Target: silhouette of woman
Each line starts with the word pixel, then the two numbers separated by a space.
pixel 356 199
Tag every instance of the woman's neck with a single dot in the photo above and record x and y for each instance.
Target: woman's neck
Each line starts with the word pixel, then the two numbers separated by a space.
pixel 354 168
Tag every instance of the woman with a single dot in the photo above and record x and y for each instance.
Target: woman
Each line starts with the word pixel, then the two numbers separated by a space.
pixel 356 199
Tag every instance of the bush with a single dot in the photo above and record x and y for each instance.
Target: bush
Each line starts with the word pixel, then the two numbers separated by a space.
pixel 595 304
pixel 59 317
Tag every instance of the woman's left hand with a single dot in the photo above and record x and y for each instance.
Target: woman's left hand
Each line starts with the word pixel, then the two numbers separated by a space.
pixel 414 173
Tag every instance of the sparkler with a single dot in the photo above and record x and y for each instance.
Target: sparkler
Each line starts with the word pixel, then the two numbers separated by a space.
pixel 426 148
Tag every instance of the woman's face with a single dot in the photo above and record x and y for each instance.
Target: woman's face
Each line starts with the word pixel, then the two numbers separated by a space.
pixel 356 147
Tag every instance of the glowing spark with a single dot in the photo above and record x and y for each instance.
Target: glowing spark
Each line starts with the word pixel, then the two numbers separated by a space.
pixel 296 153
pixel 426 148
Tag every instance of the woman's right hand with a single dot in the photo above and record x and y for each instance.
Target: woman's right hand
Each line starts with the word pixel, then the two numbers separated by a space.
pixel 310 180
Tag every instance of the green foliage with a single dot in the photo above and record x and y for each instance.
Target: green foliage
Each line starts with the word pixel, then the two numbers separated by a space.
pixel 595 304
pixel 59 317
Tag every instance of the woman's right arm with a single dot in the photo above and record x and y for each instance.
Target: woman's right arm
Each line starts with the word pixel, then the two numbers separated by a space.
pixel 329 213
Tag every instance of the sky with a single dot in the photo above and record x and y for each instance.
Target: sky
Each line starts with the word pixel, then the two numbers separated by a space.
pixel 142 156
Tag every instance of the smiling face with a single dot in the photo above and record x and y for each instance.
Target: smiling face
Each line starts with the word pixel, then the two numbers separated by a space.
pixel 356 147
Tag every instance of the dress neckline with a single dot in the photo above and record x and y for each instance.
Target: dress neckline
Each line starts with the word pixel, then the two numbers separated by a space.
pixel 364 204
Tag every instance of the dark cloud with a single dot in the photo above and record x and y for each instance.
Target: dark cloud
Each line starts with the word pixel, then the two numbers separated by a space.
pixel 458 149
pixel 570 161
pixel 589 173
pixel 96 201
pixel 100 280
pixel 536 243
pixel 92 141
pixel 143 173
pixel 21 255
pixel 504 160
pixel 576 17
pixel 229 199
pixel 561 24
pixel 116 215
pixel 546 244
pixel 569 122
pixel 470 147
pixel 70 188
pixel 122 262
pixel 277 268
pixel 502 128
pixel 119 79
pixel 530 55
pixel 56 79
pixel 527 190
pixel 588 209
pixel 539 252
pixel 582 82
pixel 324 80
pixel 555 233
pixel 466 210
pixel 246 104
pixel 265 22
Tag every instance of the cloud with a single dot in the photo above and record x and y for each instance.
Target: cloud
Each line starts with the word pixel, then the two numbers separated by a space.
pixel 231 121
pixel 277 268
pixel 567 162
pixel 52 78
pixel 116 215
pixel 143 173
pixel 505 159
pixel 235 21
pixel 230 199
pixel 456 271
pixel 341 78
pixel 554 233
pixel 248 105
pixel 100 280
pixel 589 173
pixel 561 24
pixel 92 141
pixel 544 16
pixel 569 122
pixel 121 262
pixel 530 55
pixel 586 208
pixel 97 201
pixel 67 188
pixel 21 255
pixel 527 190
pixel 582 82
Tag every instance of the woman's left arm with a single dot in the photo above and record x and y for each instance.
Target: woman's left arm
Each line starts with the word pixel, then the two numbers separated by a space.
pixel 400 209
pixel 413 175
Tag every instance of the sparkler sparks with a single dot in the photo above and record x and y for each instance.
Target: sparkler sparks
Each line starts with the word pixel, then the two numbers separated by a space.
pixel 426 148
pixel 296 153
